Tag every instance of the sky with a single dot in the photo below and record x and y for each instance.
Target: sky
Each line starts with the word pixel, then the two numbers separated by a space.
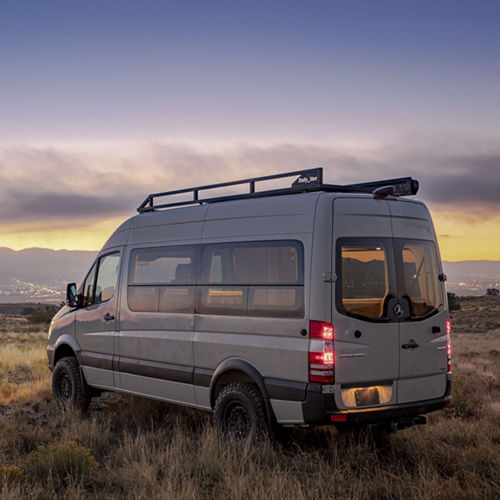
pixel 103 102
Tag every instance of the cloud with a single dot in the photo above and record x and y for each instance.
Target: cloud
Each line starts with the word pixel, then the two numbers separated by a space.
pixel 77 184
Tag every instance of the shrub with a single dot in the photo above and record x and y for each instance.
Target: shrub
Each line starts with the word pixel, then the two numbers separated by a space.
pixel 40 315
pixel 453 302
pixel 60 463
pixel 11 474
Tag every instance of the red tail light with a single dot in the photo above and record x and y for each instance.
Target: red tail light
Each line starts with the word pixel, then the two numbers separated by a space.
pixel 448 345
pixel 321 352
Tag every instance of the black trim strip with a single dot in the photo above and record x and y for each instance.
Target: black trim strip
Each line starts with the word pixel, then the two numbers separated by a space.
pixel 96 360
pixel 156 369
pixel 285 389
pixel 203 377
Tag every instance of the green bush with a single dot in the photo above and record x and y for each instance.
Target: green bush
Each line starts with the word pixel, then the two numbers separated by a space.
pixel 60 463
pixel 39 315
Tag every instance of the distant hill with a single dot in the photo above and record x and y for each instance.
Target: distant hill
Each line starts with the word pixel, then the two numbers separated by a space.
pixel 41 274
pixel 43 266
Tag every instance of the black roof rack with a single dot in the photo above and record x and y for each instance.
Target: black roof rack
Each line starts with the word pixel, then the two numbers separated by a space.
pixel 307 180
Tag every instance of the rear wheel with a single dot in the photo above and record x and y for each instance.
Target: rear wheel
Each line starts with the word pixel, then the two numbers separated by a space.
pixel 68 385
pixel 240 413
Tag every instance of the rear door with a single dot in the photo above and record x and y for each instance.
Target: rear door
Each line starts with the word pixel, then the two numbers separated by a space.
pixel 367 338
pixel 423 339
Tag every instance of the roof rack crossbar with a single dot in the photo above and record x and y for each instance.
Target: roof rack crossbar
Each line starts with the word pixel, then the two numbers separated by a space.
pixel 307 180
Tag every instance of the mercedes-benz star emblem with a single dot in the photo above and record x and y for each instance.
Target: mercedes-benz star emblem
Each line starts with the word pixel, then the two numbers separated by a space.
pixel 398 310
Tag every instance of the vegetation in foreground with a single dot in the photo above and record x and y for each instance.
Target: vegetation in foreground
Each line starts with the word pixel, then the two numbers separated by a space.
pixel 134 448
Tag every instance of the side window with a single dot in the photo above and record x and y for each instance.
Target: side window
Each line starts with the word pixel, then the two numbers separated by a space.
pixel 364 283
pixel 252 279
pixel 107 274
pixel 162 279
pixel 88 287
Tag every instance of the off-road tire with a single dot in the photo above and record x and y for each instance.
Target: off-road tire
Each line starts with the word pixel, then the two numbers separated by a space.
pixel 240 414
pixel 68 385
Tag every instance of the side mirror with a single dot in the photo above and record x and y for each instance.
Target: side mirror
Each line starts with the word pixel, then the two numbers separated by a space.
pixel 71 295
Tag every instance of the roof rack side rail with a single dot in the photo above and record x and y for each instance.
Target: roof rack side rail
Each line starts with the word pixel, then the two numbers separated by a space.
pixel 306 179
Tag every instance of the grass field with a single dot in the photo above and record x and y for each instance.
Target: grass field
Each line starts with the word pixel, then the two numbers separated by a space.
pixel 135 448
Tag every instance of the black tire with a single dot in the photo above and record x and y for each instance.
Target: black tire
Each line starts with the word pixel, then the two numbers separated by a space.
pixel 68 385
pixel 240 413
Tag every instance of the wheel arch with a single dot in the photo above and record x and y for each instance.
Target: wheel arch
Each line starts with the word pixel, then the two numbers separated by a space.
pixel 66 346
pixel 236 370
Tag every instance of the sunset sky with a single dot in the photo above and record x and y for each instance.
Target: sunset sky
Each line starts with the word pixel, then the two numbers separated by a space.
pixel 104 102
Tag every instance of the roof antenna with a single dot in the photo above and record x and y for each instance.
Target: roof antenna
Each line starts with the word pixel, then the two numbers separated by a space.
pixel 383 191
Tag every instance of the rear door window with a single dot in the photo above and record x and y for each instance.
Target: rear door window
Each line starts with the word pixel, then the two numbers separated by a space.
pixel 366 279
pixel 373 271
pixel 419 277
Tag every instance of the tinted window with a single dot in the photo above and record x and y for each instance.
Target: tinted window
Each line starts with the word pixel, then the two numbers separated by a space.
pixel 161 279
pixel 252 278
pixel 107 274
pixel 419 278
pixel 164 265
pixel 277 262
pixel 364 277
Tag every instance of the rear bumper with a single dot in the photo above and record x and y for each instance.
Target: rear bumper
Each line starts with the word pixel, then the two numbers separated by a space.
pixel 319 408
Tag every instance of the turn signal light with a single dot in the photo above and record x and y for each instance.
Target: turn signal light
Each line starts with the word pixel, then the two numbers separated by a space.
pixel 320 330
pixel 321 352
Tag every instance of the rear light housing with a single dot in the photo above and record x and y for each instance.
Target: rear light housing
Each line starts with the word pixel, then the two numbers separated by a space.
pixel 448 345
pixel 321 352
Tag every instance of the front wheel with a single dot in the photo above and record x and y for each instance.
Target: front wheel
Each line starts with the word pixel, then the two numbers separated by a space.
pixel 68 385
pixel 240 412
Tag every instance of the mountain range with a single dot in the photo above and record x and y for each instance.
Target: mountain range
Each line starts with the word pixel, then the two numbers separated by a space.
pixel 41 273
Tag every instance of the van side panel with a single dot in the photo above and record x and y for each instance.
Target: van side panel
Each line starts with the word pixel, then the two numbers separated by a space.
pixel 274 346
pixel 155 349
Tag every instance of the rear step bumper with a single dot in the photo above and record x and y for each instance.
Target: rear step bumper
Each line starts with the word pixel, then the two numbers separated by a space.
pixel 320 409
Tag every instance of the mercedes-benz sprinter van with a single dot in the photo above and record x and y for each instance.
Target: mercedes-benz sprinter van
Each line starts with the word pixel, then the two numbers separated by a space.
pixel 310 305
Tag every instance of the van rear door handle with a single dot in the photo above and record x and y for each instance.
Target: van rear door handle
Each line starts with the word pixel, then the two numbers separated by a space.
pixel 411 345
pixel 108 317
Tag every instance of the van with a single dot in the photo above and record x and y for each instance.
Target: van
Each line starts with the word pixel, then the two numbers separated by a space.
pixel 307 305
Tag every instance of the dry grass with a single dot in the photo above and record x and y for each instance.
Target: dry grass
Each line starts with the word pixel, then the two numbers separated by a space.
pixel 151 450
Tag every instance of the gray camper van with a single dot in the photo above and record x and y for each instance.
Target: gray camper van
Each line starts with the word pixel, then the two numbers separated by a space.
pixel 309 305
